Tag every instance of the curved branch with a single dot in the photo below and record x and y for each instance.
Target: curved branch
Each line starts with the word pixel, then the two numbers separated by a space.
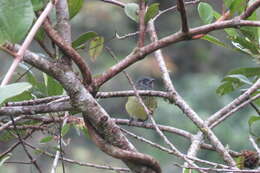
pixel 139 54
pixel 70 52
pixel 137 158
pixel 84 102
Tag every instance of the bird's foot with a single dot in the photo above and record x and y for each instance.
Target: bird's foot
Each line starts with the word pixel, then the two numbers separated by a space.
pixel 130 123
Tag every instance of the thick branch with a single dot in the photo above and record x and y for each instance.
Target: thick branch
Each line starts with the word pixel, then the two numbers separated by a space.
pixel 63 26
pixel 84 102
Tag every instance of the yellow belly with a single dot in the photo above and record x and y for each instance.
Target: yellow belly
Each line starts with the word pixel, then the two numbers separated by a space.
pixel 136 110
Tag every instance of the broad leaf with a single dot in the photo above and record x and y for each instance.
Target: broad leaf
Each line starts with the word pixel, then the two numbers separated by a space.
pixel 11 91
pixel 46 139
pixel 215 41
pixel 151 12
pixel 131 10
pixel 16 18
pixel 232 82
pixel 37 4
pixel 40 35
pixel 238 78
pixel 83 39
pixel 224 88
pixel 248 72
pixel 205 12
pixel 237 6
pixel 96 47
pixel 53 87
pixel 245 45
pixel 251 121
pixel 74 7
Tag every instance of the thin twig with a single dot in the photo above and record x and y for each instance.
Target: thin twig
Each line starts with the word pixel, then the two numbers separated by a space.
pixel 42 45
pixel 254 145
pixel 77 162
pixel 33 161
pixel 175 7
pixel 59 152
pixel 184 21
pixel 170 151
pixel 255 108
pixel 6 125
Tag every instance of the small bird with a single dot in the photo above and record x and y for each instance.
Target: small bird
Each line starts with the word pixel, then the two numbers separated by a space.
pixel 134 108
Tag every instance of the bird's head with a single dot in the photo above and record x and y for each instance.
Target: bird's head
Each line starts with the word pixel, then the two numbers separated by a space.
pixel 145 83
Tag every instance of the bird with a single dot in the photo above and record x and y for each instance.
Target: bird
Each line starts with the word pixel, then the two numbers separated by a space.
pixel 134 108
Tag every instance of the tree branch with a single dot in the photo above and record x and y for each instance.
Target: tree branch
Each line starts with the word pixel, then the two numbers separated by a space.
pixel 70 52
pixel 63 26
pixel 184 21
pixel 27 42
pixel 249 11
pixel 142 27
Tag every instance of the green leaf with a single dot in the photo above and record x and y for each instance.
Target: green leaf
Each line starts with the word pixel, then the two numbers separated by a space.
pixel 205 12
pixel 83 39
pixel 96 47
pixel 228 3
pixel 237 6
pixel 231 32
pixel 224 88
pixel 40 35
pixel 53 87
pixel 216 15
pixel 65 129
pixel 188 170
pixel 9 135
pixel 257 101
pixel 250 32
pixel 131 10
pixel 46 139
pixel 239 161
pixel 215 41
pixel 152 11
pixel 37 4
pixel 251 121
pixel 238 78
pixel 245 44
pixel 248 72
pixel 10 91
pixel 16 18
pixel 85 132
pixel 4 159
pixel 74 7
pixel 39 89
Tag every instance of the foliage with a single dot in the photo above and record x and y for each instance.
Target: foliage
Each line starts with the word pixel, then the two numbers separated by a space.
pixel 17 17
